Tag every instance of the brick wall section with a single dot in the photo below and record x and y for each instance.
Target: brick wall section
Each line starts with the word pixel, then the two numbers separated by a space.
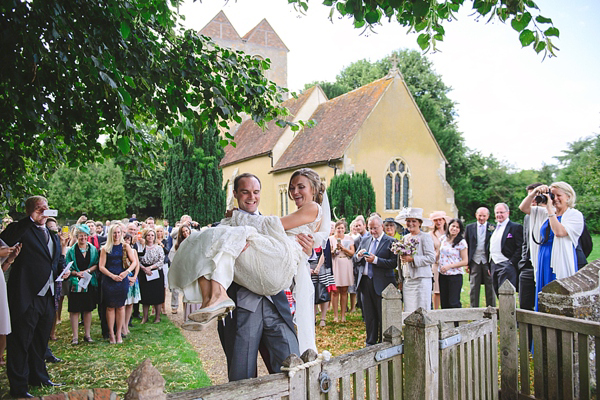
pixel 84 394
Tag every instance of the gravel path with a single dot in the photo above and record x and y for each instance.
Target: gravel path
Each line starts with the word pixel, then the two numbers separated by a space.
pixel 208 346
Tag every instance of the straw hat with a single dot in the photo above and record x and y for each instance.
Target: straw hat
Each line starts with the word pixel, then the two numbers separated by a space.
pixel 415 213
pixel 439 214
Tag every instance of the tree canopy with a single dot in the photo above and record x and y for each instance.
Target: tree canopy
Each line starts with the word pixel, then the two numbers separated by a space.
pixel 75 72
pixel 427 18
pixel 351 195
pixel 79 78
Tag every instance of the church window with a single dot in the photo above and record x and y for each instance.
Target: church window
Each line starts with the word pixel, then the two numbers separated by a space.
pixel 397 185
pixel 283 200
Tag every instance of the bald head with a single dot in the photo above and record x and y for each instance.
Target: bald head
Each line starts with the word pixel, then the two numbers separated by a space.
pixel 482 215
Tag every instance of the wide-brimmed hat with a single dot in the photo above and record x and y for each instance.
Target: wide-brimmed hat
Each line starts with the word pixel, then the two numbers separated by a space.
pixel 411 212
pixel 439 214
pixel 390 219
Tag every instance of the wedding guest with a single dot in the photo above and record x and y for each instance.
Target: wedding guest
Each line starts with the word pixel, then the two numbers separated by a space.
pixel 183 232
pixel 342 247
pixel 82 297
pixel 322 274
pixel 391 228
pixel 416 267
pixel 116 286
pixel 152 288
pixel 52 226
pixel 164 245
pixel 440 224
pixel 7 256
pixel 453 257
pixel 31 297
pixel 559 234
pixel 133 294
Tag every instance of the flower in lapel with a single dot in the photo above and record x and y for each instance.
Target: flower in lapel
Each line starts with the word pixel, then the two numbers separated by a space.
pixel 509 236
pixel 491 228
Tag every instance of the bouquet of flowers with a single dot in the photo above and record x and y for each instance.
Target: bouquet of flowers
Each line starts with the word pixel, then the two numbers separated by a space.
pixel 405 247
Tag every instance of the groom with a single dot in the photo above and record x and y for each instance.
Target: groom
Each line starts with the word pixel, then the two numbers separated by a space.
pixel 257 321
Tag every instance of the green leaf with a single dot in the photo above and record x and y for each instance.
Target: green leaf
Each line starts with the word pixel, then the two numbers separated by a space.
pixel 540 46
pixel 551 32
pixel 372 16
pixel 126 96
pixel 423 40
pixel 130 81
pixel 520 22
pixel 526 37
pixel 125 30
pixel 543 20
pixel 223 142
pixel 359 24
pixel 420 8
pixel 123 144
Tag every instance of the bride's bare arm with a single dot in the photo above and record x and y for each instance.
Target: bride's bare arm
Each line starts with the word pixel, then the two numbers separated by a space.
pixel 302 216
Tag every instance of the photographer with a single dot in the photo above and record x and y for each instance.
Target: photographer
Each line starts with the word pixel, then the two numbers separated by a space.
pixel 559 235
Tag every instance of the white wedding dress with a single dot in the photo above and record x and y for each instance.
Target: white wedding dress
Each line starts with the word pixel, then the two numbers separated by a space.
pixel 268 266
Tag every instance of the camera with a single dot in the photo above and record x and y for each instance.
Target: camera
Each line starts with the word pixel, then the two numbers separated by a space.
pixel 539 199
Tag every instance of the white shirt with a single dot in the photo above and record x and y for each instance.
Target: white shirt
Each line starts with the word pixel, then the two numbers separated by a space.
pixel 496 243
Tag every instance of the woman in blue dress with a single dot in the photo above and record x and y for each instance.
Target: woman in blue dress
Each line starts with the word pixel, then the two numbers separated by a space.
pixel 115 285
pixel 559 234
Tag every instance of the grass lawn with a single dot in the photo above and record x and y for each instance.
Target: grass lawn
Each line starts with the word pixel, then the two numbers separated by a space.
pixel 102 365
pixel 596 251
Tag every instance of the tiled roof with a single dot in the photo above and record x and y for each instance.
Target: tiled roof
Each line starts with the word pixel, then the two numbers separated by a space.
pixel 220 28
pixel 338 121
pixel 263 34
pixel 252 141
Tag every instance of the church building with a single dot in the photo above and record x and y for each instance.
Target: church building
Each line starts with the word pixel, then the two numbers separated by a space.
pixel 377 128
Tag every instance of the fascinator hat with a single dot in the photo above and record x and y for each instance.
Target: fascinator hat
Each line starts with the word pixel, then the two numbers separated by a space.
pixel 415 213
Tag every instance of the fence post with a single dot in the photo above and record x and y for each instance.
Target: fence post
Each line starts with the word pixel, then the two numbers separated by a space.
pixel 491 313
pixel 145 383
pixel 421 356
pixel 391 308
pixel 508 341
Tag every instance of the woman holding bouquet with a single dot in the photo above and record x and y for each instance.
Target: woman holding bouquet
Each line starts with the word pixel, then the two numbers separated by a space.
pixel 453 257
pixel 417 255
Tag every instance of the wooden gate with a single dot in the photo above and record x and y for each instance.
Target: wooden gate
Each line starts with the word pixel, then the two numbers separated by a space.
pixel 442 354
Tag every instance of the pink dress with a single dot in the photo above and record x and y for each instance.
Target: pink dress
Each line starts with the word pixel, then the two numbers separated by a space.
pixel 343 267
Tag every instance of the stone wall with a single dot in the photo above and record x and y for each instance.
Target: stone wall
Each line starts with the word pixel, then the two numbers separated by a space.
pixel 576 296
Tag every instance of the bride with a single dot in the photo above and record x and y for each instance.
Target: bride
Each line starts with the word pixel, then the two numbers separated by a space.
pixel 257 252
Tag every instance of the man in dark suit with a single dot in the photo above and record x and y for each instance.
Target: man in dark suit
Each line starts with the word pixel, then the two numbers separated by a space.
pixel 258 322
pixel 361 229
pixel 505 247
pixel 31 297
pixel 478 239
pixel 376 264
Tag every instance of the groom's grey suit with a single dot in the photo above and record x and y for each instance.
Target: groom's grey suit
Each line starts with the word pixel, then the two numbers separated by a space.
pixel 258 323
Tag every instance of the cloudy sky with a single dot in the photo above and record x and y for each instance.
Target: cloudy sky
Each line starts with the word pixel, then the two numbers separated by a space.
pixel 510 103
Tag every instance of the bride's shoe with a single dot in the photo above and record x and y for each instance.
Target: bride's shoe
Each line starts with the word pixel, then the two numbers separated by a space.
pixel 207 314
pixel 194 326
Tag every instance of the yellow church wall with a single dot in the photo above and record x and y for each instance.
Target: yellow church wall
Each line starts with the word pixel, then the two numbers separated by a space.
pixel 394 129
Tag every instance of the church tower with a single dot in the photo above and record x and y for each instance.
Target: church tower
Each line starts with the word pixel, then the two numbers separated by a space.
pixel 261 42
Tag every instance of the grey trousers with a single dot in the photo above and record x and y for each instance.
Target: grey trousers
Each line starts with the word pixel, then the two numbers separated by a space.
pixel 480 275
pixel 263 325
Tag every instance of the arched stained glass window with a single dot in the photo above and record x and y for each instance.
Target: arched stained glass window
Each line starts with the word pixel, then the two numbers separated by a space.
pixel 397 185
